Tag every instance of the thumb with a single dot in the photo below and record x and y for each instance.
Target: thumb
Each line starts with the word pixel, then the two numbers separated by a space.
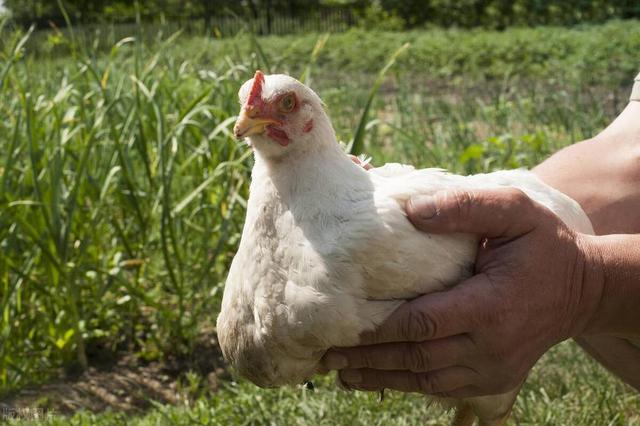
pixel 493 213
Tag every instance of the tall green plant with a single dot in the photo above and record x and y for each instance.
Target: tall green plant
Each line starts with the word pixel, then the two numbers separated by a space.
pixel 356 145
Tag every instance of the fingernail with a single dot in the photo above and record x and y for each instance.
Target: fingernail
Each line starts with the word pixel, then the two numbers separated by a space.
pixel 335 361
pixel 351 376
pixel 422 206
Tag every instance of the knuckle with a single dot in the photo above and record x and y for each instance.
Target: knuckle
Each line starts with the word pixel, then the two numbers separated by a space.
pixel 417 325
pixel 518 204
pixel 365 359
pixel 407 326
pixel 518 197
pixel 428 383
pixel 462 203
pixel 417 358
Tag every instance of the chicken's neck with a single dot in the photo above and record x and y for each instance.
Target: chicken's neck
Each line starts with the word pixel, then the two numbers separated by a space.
pixel 317 181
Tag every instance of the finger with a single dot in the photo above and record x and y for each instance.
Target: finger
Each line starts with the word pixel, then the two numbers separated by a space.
pixel 322 369
pixel 500 212
pixel 355 159
pixel 463 392
pixel 366 166
pixel 433 316
pixel 415 357
pixel 438 381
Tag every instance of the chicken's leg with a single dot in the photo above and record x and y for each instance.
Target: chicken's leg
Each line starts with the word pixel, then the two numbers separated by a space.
pixel 500 421
pixel 464 415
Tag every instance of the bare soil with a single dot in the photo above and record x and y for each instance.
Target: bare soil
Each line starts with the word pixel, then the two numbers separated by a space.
pixel 128 384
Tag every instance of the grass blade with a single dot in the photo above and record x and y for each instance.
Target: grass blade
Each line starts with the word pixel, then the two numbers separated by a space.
pixel 322 40
pixel 356 145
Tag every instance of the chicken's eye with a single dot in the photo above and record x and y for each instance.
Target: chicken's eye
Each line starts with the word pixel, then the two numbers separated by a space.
pixel 287 103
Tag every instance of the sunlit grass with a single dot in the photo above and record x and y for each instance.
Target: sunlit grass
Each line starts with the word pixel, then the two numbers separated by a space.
pixel 565 388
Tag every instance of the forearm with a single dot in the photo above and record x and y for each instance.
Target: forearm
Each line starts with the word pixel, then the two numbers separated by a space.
pixel 613 335
pixel 619 355
pixel 615 272
pixel 603 174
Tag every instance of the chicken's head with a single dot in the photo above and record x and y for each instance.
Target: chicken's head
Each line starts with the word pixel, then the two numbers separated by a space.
pixel 280 115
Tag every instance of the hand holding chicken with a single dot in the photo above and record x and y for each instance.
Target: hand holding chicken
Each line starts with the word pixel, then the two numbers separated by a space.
pixel 478 338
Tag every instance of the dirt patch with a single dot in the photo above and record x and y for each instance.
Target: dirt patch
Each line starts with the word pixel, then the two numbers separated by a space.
pixel 127 385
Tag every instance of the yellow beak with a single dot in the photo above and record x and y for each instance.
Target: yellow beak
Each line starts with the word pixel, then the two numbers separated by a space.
pixel 248 124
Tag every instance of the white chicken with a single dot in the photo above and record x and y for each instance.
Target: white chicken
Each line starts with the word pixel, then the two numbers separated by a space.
pixel 327 251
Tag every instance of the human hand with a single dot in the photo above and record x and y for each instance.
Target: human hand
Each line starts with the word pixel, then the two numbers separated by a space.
pixel 365 165
pixel 536 284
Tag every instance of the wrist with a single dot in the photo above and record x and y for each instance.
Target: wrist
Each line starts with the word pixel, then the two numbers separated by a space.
pixel 589 277
pixel 611 285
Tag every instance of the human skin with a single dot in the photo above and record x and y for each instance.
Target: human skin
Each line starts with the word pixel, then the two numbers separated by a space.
pixel 514 309
pixel 603 175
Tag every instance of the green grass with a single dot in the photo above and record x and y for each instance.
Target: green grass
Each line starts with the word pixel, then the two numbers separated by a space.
pixel 565 388
pixel 122 191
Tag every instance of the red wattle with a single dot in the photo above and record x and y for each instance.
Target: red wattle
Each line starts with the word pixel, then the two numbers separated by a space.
pixel 278 135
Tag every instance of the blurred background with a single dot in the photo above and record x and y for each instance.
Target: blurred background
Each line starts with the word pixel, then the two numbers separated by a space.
pixel 227 17
pixel 123 191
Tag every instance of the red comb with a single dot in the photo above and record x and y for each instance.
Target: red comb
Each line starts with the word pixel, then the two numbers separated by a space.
pixel 256 90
